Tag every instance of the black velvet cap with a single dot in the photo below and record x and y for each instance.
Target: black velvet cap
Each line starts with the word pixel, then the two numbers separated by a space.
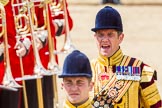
pixel 76 64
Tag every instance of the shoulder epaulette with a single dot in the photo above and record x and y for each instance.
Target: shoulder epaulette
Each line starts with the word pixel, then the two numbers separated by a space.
pixel 147 74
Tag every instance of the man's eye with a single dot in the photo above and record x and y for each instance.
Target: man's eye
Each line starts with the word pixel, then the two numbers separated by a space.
pixel 80 84
pixel 110 34
pixel 100 35
pixel 68 83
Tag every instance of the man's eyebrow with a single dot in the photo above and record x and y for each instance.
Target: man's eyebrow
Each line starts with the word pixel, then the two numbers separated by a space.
pixel 80 80
pixel 67 80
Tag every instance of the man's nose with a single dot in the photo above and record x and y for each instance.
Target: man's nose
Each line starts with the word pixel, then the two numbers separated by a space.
pixel 74 87
pixel 105 38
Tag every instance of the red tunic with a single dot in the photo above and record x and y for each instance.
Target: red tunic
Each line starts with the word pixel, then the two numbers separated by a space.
pixel 28 60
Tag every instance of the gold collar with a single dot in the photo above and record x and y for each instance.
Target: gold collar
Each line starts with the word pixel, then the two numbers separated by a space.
pixel 115 59
pixel 87 104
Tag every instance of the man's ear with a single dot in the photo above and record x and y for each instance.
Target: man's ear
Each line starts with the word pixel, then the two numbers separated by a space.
pixel 91 85
pixel 94 35
pixel 121 37
pixel 62 85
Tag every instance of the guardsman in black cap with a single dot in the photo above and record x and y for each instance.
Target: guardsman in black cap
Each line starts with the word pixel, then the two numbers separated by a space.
pixel 120 81
pixel 77 82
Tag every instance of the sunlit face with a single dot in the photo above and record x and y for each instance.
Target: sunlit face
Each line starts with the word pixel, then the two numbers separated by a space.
pixel 108 41
pixel 77 89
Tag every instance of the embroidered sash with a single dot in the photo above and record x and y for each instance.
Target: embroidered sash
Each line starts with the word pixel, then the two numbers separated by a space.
pixel 113 91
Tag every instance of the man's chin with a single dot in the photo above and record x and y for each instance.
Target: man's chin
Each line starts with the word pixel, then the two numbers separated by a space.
pixel 104 54
pixel 74 99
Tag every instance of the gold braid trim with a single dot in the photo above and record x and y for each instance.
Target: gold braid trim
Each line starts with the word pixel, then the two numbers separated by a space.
pixel 129 91
pixel 151 95
pixel 147 74
pixel 4 2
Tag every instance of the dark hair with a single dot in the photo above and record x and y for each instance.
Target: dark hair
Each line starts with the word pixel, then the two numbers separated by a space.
pixel 119 33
